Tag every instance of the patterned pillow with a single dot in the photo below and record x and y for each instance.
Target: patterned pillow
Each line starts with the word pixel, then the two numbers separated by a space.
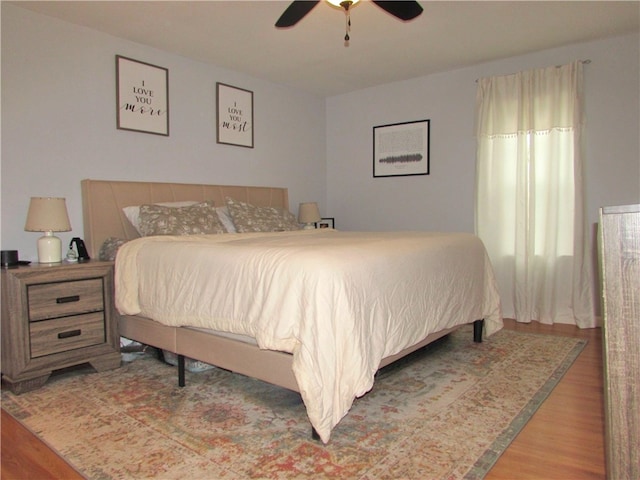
pixel 250 218
pixel 191 220
pixel 109 249
pixel 133 212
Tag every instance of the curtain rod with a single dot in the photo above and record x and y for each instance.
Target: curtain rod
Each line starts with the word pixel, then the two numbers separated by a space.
pixel 584 62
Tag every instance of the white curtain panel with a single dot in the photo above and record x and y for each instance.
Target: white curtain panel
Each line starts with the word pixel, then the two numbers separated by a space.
pixel 529 193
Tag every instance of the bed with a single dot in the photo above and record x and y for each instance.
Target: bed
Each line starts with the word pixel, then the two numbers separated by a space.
pixel 314 311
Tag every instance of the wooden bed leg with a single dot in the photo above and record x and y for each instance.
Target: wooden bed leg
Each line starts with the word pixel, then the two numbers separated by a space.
pixel 314 434
pixel 478 326
pixel 181 381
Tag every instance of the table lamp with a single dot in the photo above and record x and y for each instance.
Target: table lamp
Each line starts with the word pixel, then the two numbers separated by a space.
pixel 48 215
pixel 309 214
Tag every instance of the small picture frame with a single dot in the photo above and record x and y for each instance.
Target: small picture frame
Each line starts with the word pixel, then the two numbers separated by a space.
pixel 326 223
pixel 234 118
pixel 401 149
pixel 142 96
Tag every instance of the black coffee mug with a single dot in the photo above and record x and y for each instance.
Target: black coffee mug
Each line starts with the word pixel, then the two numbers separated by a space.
pixel 9 258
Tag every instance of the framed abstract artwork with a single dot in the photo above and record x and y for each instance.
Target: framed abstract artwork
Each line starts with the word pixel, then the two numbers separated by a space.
pixel 401 149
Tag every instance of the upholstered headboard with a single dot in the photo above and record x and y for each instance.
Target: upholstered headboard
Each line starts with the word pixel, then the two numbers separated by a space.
pixel 103 201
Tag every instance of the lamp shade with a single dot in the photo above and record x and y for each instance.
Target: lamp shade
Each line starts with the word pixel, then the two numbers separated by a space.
pixel 308 213
pixel 48 215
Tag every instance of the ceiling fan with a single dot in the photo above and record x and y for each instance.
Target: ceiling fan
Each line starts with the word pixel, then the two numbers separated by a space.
pixel 298 9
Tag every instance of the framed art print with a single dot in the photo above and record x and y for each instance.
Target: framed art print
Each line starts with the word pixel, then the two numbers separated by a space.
pixel 326 223
pixel 142 95
pixel 234 115
pixel 401 149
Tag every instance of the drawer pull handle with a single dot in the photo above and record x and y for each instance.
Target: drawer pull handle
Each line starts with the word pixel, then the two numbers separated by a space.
pixel 72 298
pixel 70 333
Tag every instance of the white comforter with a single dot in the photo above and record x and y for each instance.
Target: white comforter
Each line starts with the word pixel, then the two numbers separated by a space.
pixel 338 301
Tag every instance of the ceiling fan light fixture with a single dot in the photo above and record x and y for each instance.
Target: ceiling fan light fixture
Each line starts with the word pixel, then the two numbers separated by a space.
pixel 345 4
pixel 403 10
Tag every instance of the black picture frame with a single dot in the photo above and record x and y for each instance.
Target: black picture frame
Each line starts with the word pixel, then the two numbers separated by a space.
pixel 234 115
pixel 142 96
pixel 328 222
pixel 402 149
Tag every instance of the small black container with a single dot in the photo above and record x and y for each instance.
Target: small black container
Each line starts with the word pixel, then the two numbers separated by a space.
pixel 9 258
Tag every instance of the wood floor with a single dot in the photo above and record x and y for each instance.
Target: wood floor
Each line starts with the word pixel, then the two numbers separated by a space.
pixel 564 439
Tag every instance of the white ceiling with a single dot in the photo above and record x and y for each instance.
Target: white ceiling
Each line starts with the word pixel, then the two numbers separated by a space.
pixel 240 35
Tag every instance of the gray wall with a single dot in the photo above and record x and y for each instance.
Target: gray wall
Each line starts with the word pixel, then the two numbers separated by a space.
pixel 444 200
pixel 59 125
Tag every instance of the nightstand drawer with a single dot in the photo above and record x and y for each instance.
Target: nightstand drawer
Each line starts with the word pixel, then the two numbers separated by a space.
pixel 67 333
pixel 51 300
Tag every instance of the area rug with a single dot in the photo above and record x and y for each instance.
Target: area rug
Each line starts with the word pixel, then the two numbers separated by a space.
pixel 445 412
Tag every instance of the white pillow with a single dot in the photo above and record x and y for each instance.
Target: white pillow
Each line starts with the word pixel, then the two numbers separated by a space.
pixel 225 219
pixel 133 213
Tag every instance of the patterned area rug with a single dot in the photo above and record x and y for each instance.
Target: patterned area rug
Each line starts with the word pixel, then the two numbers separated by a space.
pixel 447 411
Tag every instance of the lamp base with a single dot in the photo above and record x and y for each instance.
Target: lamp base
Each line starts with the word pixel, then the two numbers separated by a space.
pixel 309 226
pixel 49 249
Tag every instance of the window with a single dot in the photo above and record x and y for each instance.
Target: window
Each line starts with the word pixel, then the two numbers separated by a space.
pixel 529 209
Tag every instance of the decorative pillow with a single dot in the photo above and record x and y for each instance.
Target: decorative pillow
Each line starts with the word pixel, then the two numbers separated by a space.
pixel 225 219
pixel 195 219
pixel 250 218
pixel 133 212
pixel 109 249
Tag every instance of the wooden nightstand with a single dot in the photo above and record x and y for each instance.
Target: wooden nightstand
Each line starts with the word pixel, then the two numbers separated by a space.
pixel 55 316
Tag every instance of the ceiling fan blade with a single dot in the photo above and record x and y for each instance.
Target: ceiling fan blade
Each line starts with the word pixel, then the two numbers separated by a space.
pixel 295 12
pixel 403 10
